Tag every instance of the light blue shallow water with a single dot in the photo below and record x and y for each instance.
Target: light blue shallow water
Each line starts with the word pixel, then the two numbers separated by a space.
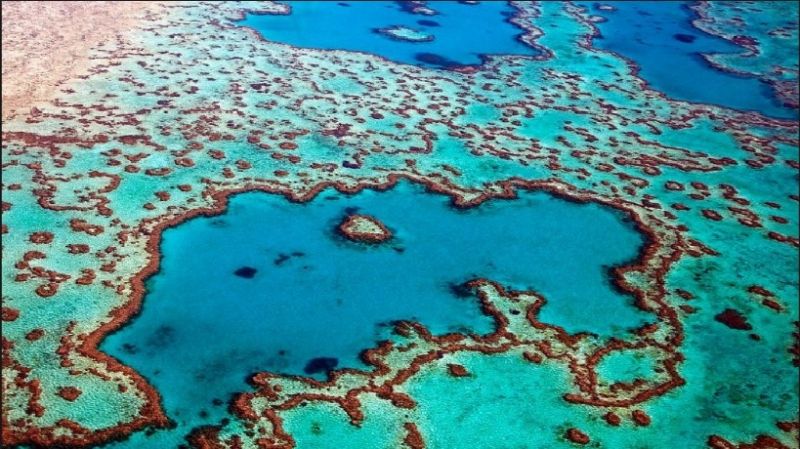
pixel 203 329
pixel 464 32
pixel 645 32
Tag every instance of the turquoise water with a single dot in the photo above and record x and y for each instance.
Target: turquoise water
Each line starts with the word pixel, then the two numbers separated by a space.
pixel 462 33
pixel 203 329
pixel 660 39
pixel 270 286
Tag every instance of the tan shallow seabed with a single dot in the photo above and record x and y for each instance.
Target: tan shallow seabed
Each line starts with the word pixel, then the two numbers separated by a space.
pixel 47 43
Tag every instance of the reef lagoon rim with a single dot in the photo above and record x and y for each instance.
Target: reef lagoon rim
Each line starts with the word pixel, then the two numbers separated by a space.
pixel 270 285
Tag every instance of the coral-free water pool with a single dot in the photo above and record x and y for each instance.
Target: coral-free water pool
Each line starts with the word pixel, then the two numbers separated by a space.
pixel 458 34
pixel 660 39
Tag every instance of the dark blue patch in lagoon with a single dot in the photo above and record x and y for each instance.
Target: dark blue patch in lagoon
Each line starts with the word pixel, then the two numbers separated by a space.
pixel 336 298
pixel 685 38
pixel 465 34
pixel 428 23
pixel 643 32
pixel 437 60
pixel 322 365
pixel 245 272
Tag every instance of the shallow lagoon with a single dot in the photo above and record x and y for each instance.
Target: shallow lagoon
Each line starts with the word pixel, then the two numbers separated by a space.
pixel 461 32
pixel 203 328
pixel 660 39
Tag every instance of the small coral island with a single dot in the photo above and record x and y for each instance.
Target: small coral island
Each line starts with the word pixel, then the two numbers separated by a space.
pixel 364 229
pixel 401 33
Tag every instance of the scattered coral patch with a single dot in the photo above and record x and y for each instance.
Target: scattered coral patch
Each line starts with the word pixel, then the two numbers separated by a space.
pixel 69 393
pixel 612 419
pixel 761 442
pixel 78 248
pixel 42 237
pixel 406 34
pixel 363 228
pixel 79 225
pixel 640 418
pixel 576 436
pixel 413 438
pixel 34 334
pixel 733 319
pixel 9 314
pixel 457 370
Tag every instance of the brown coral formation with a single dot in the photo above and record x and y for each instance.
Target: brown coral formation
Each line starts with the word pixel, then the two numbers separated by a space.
pixel 733 319
pixel 576 436
pixel 69 393
pixel 364 229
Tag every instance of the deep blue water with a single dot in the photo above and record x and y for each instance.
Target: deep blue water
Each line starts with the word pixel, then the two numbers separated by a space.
pixel 659 37
pixel 461 32
pixel 269 285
